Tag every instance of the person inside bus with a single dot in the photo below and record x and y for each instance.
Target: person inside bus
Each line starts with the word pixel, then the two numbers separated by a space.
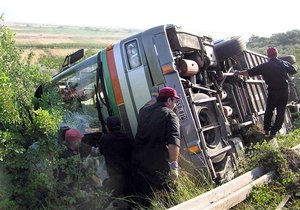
pixel 275 72
pixel 115 146
pixel 72 97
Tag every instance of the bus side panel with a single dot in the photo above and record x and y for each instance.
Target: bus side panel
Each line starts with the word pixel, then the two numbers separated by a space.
pixel 189 132
pixel 128 100
pixel 138 79
pixel 114 77
pixel 108 83
pixel 152 54
pixel 139 86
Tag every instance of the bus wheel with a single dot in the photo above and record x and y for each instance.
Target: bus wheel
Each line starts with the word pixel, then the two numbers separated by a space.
pixel 229 48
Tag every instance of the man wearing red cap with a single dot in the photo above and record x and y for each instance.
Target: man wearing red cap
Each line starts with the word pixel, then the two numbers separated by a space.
pixel 275 73
pixel 156 146
pixel 73 140
pixel 75 147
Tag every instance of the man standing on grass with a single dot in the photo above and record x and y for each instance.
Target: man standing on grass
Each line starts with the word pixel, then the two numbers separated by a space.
pixel 156 146
pixel 275 73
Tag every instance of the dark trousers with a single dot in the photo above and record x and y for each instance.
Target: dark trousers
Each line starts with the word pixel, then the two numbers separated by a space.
pixel 117 185
pixel 144 190
pixel 276 100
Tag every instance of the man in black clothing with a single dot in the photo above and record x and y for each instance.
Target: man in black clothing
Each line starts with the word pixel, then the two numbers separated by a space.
pixel 115 146
pixel 156 146
pixel 275 73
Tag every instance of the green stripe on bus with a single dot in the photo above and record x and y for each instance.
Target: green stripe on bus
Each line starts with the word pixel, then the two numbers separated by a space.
pixel 110 90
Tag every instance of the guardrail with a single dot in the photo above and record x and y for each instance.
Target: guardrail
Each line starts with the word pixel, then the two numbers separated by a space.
pixel 230 193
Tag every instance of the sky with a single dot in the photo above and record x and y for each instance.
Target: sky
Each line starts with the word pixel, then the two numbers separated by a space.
pixel 209 17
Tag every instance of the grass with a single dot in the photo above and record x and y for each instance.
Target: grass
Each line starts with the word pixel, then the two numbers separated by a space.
pixel 192 182
pixel 289 140
pixel 286 163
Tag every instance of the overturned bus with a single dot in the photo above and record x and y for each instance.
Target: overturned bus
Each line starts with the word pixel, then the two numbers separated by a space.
pixel 215 108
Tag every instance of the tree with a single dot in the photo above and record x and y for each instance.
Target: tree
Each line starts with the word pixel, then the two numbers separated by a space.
pixel 21 124
pixel 287 43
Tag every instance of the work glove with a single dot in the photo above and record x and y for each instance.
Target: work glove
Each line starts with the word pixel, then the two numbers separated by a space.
pixel 173 170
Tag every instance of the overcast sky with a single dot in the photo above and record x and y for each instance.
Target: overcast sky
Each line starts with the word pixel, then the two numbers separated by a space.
pixel 228 17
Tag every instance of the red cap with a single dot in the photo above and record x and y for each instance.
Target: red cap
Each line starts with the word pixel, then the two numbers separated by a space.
pixel 72 134
pixel 272 52
pixel 168 91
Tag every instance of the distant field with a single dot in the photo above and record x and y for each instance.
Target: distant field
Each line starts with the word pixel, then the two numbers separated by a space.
pixel 63 40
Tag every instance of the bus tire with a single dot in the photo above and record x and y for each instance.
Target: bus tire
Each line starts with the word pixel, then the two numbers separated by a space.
pixel 229 48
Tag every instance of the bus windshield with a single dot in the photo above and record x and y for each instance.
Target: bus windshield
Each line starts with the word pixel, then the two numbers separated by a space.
pixel 79 100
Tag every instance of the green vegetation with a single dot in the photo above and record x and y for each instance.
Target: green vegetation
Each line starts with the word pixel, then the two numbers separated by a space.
pixel 24 187
pixel 49 44
pixel 191 183
pixel 285 42
pixel 29 146
pixel 285 162
pixel 21 124
pixel 64 37
pixel 52 64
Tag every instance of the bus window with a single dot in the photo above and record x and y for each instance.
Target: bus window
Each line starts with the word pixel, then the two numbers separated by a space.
pixel 79 101
pixel 132 53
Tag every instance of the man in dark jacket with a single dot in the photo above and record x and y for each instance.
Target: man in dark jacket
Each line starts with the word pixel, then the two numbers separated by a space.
pixel 275 73
pixel 156 145
pixel 115 146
